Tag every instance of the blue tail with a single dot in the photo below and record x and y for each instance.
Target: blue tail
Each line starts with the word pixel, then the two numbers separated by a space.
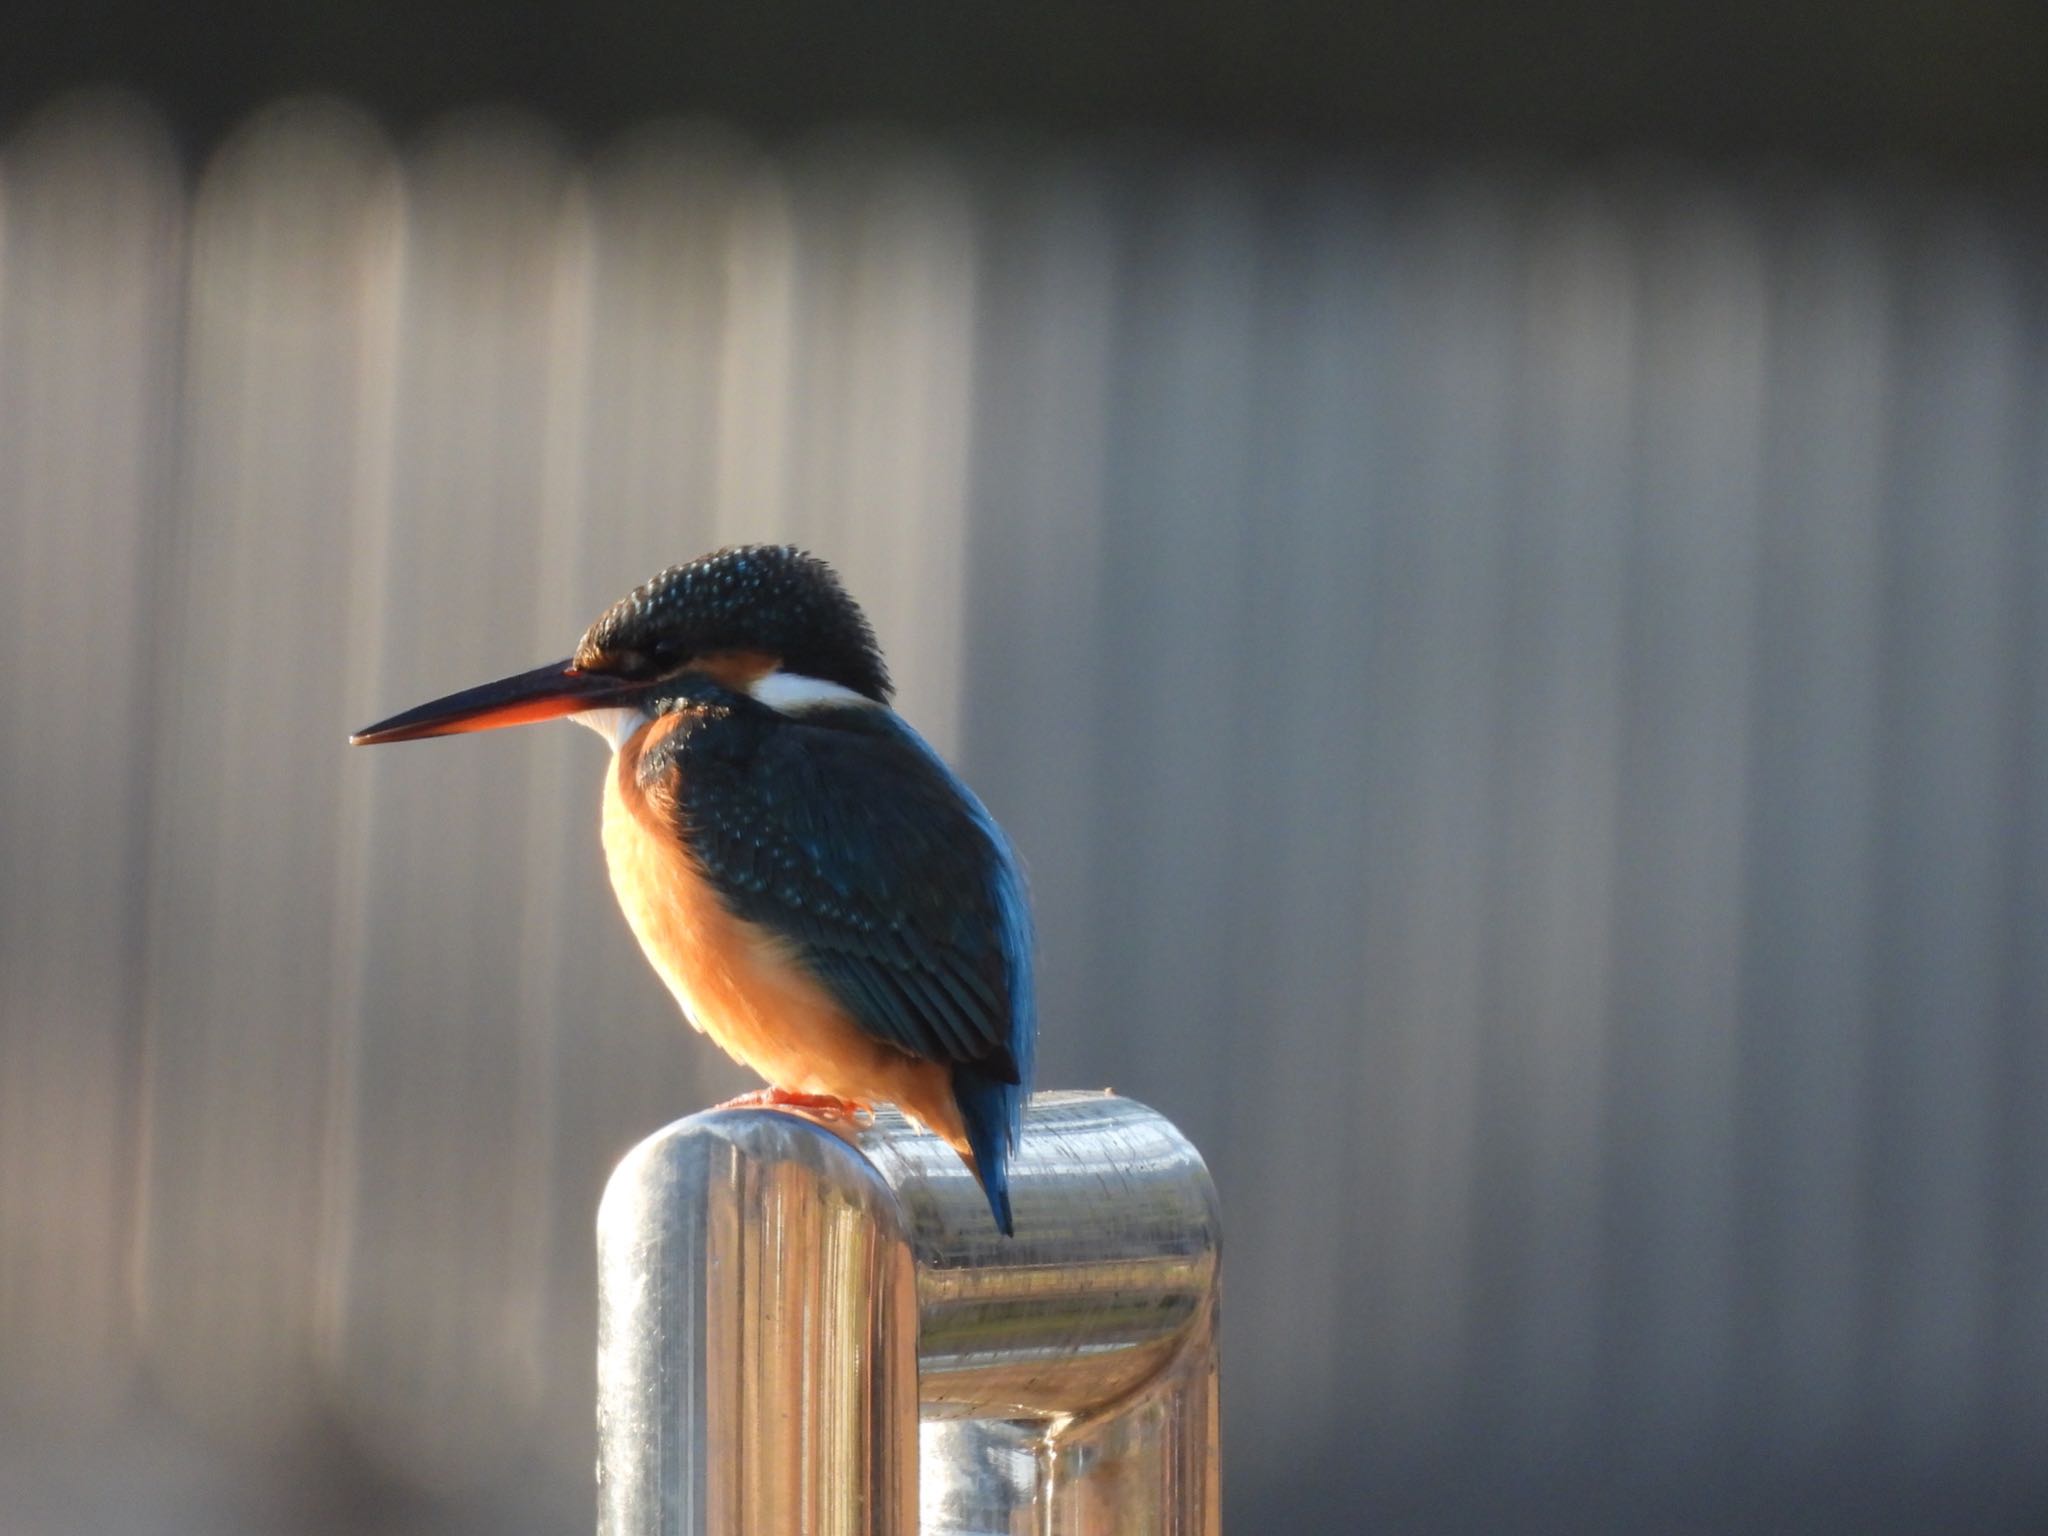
pixel 991 1109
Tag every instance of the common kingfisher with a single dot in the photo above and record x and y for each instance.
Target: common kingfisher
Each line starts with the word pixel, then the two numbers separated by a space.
pixel 823 895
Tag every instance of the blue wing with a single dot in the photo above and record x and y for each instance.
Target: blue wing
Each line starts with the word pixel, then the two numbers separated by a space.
pixel 843 832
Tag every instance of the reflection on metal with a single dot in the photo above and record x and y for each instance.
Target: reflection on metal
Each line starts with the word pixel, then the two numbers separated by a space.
pixel 811 1326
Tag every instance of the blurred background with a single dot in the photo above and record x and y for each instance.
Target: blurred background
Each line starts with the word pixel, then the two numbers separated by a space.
pixel 1493 567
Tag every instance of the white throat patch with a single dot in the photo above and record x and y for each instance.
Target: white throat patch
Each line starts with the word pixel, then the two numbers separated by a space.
pixel 615 725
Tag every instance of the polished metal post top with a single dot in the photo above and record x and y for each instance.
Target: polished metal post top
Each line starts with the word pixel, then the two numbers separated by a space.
pixel 1113 1264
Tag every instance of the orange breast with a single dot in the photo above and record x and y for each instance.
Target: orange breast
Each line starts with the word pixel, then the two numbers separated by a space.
pixel 738 983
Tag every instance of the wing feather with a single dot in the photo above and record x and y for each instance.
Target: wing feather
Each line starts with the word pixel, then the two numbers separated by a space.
pixel 842 832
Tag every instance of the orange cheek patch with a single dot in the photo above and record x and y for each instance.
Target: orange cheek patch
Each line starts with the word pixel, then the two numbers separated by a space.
pixel 736 670
pixel 653 805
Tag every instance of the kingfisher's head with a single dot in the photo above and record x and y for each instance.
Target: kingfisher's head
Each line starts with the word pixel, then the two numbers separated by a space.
pixel 764 619
pixel 737 615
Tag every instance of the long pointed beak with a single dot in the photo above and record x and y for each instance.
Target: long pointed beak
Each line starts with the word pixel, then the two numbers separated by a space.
pixel 545 693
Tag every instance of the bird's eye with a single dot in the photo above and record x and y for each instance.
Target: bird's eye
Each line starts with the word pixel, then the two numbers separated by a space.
pixel 617 662
pixel 635 662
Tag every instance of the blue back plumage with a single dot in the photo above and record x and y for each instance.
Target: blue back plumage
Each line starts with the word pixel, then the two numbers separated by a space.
pixel 844 832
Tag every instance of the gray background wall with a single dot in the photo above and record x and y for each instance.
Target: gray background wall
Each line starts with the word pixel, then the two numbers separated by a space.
pixel 1524 695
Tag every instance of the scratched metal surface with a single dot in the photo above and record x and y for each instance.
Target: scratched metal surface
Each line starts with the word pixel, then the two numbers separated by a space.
pixel 1525 699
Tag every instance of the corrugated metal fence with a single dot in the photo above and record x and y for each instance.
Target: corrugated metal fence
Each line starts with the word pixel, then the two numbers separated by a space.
pixel 1525 698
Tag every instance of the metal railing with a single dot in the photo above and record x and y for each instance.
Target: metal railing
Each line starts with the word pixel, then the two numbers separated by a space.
pixel 811 1326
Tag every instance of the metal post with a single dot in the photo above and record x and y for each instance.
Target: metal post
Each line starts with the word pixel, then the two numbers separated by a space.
pixel 808 1326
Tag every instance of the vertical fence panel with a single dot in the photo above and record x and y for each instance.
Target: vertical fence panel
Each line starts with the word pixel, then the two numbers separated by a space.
pixel 292 283
pixel 1553 902
pixel 1685 777
pixel 90 242
pixel 1941 883
pixel 1454 358
pixel 2021 1218
pixel 1813 822
pixel 437 1338
pixel 1312 581
pixel 1036 593
pixel 1171 648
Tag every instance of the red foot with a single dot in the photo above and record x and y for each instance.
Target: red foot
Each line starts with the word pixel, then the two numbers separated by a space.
pixel 817 1103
